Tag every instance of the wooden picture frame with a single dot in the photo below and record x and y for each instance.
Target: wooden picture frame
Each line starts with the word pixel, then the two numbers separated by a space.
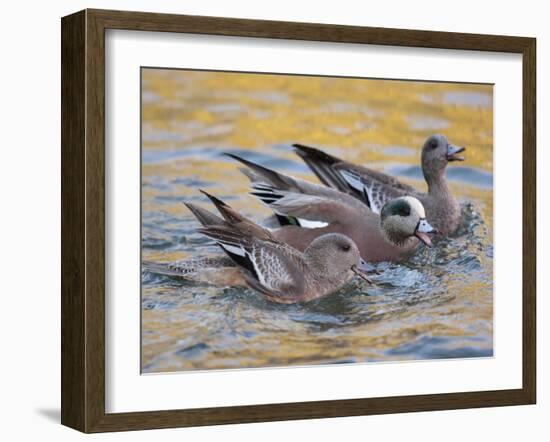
pixel 83 220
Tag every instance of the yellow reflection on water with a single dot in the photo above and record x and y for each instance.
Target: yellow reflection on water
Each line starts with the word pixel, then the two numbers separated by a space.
pixel 375 122
pixel 251 111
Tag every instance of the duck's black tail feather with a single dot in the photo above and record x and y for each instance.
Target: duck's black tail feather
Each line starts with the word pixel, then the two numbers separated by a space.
pixel 322 165
pixel 262 173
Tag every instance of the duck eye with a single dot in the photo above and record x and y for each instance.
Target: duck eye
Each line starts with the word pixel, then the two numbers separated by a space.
pixel 346 247
pixel 404 210
pixel 433 144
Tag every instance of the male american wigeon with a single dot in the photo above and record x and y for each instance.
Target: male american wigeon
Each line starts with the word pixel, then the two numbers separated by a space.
pixel 375 188
pixel 277 270
pixel 306 211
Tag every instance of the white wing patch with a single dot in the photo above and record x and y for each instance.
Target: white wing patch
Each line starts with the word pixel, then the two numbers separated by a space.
pixel 309 224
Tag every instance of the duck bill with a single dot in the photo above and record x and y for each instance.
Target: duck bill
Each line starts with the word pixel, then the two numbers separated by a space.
pixel 423 232
pixel 362 268
pixel 453 151
pixel 424 238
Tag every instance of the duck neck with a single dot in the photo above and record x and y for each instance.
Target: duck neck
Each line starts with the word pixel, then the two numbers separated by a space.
pixel 437 184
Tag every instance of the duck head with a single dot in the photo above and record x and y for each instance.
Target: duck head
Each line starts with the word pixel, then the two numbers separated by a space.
pixel 436 153
pixel 335 254
pixel 404 218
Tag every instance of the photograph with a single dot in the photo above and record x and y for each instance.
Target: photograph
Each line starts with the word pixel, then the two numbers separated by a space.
pixel 295 220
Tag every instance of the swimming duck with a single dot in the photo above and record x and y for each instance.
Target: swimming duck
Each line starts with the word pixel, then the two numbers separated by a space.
pixel 306 211
pixel 376 188
pixel 277 270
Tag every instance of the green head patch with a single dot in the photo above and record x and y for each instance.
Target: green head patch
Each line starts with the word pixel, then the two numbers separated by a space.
pixel 399 207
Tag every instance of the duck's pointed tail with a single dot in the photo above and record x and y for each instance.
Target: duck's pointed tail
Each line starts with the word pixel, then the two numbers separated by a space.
pixel 322 165
pixel 205 217
pixel 257 173
pixel 229 214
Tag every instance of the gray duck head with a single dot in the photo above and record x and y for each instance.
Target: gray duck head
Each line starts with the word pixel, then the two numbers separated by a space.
pixel 436 153
pixel 335 255
pixel 404 217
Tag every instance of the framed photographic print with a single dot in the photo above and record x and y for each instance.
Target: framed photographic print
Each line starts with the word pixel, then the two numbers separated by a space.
pixel 269 220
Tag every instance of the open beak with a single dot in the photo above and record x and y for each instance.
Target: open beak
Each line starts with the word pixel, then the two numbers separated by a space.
pixel 453 151
pixel 423 230
pixel 362 268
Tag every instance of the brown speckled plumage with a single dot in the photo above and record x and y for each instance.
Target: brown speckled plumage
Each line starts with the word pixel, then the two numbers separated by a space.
pixel 279 271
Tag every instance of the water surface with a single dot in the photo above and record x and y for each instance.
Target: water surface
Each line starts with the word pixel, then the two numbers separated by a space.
pixel 437 304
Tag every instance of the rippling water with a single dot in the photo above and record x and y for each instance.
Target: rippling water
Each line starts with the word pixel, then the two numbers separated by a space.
pixel 437 304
